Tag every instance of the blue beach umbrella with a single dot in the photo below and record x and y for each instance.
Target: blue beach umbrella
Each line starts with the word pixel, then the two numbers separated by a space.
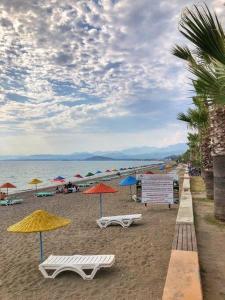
pixel 98 172
pixel 162 168
pixel 59 178
pixel 128 181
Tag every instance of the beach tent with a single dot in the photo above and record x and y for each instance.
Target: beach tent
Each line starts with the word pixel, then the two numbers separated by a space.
pixel 7 186
pixel 100 189
pixel 128 181
pixel 39 221
pixel 35 181
pixel 78 176
pixel 89 174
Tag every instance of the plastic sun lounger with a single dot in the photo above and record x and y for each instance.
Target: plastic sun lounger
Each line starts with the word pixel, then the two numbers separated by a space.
pixel 10 202
pixel 123 220
pixel 83 185
pixel 81 264
pixel 4 202
pixel 14 201
pixel 106 179
pixel 44 194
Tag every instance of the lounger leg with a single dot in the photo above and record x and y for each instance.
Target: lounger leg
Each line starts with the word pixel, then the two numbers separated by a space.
pixel 44 272
pixel 90 276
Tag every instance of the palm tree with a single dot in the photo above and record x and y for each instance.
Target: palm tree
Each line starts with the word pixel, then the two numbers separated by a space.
pixel 194 147
pixel 198 119
pixel 204 30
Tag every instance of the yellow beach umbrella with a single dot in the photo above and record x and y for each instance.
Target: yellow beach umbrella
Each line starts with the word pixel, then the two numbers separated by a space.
pixel 39 221
pixel 35 181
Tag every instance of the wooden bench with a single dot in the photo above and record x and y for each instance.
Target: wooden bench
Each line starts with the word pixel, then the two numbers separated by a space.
pixel 184 238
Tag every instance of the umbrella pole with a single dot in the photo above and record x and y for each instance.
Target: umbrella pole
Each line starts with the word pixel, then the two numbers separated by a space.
pixel 100 205
pixel 130 193
pixel 41 248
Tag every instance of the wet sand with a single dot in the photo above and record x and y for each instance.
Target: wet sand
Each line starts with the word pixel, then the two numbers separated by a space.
pixel 142 251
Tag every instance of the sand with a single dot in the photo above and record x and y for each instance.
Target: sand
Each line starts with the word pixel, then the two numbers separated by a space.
pixel 142 251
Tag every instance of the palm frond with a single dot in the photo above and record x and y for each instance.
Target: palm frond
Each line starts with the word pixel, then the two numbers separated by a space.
pixel 182 53
pixel 204 31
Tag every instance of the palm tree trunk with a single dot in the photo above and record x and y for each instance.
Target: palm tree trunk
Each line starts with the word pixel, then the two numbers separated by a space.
pixel 217 116
pixel 207 163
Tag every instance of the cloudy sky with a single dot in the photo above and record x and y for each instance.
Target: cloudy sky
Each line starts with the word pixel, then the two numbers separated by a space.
pixel 90 75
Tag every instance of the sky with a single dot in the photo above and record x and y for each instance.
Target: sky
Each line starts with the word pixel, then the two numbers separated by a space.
pixel 91 75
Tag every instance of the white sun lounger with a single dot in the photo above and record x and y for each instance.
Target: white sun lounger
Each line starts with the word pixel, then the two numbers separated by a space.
pixel 84 265
pixel 123 220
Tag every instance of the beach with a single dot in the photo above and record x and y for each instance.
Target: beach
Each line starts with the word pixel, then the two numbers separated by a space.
pixel 142 251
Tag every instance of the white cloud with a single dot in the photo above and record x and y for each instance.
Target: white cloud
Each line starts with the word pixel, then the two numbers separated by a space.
pixel 98 56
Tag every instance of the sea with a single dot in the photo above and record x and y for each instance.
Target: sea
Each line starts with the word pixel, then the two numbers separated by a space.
pixel 20 173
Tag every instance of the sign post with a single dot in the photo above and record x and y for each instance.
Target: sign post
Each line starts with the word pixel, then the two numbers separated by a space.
pixel 157 189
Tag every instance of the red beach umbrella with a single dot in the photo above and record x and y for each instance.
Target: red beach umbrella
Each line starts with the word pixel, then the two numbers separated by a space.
pixel 100 189
pixel 108 171
pixel 78 176
pixel 149 172
pixel 7 186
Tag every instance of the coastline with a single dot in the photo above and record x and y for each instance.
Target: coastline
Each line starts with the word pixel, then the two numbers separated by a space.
pixel 111 175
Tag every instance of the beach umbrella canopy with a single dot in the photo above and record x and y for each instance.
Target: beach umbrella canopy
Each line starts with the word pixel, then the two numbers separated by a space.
pixel 89 174
pixel 59 178
pixel 78 176
pixel 100 189
pixel 35 181
pixel 7 186
pixel 149 172
pixel 114 170
pixel 98 172
pixel 39 221
pixel 108 171
pixel 128 181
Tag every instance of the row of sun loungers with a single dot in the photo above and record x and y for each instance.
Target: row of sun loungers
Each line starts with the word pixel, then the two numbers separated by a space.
pixel 86 265
pixel 44 194
pixel 10 202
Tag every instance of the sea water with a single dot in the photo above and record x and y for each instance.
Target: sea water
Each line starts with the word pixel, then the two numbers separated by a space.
pixel 20 173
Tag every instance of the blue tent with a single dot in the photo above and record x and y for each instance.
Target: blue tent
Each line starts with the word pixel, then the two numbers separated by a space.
pixel 98 172
pixel 130 180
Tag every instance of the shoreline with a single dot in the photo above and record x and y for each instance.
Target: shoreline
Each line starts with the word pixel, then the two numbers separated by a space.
pixel 104 175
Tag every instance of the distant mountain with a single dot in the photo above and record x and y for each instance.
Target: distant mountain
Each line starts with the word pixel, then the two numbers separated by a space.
pixel 99 158
pixel 126 154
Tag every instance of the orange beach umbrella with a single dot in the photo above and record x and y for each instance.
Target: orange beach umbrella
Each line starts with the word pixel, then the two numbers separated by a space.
pixel 7 186
pixel 100 189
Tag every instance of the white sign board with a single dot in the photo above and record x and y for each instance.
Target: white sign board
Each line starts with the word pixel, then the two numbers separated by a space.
pixel 157 189
pixel 173 173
